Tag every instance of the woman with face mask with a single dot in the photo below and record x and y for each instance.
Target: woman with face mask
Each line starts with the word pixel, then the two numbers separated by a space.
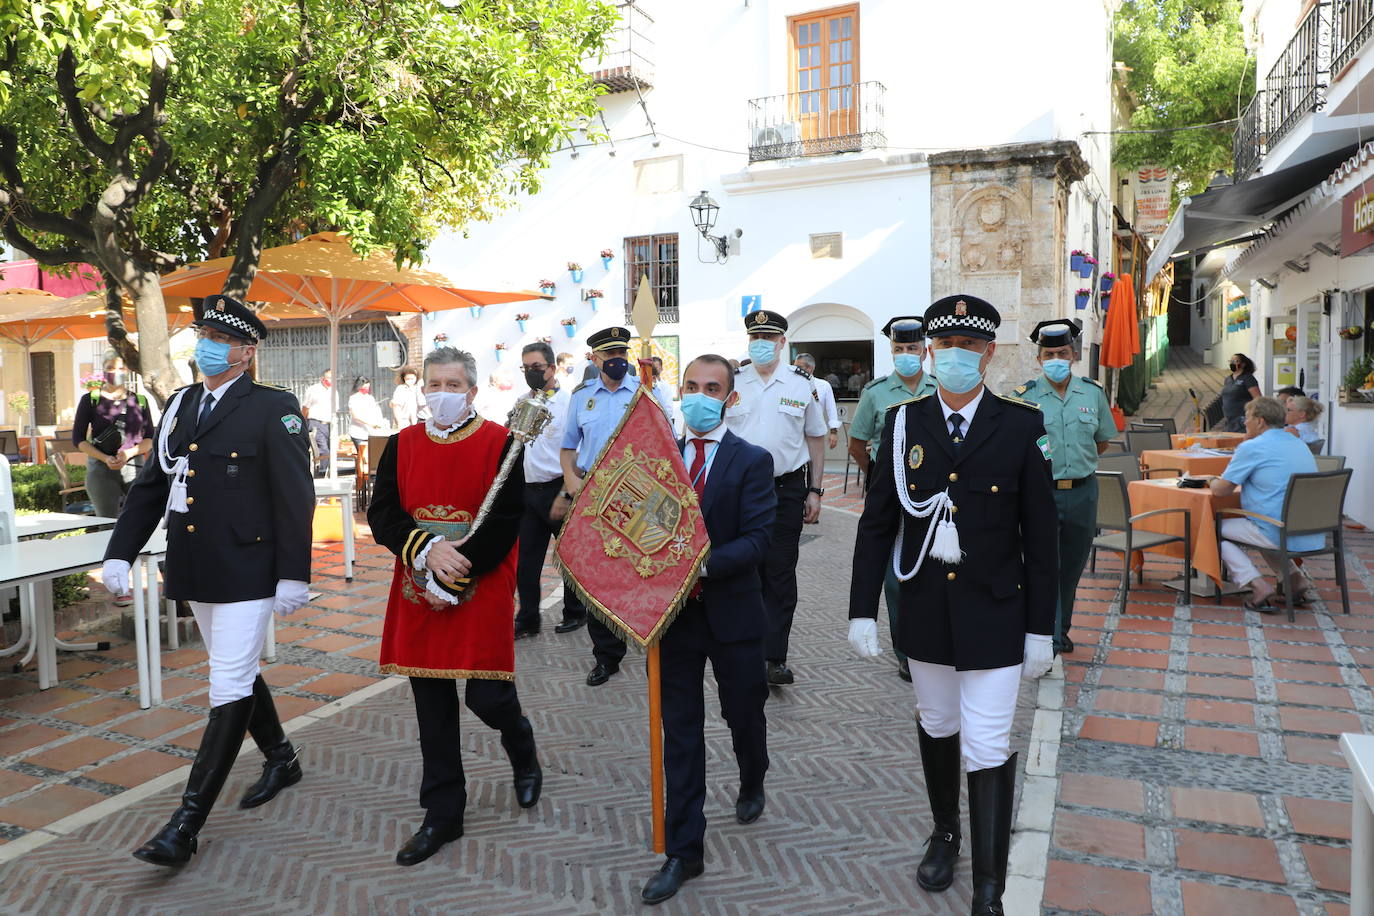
pixel 364 415
pixel 407 400
pixel 1239 388
pixel 113 429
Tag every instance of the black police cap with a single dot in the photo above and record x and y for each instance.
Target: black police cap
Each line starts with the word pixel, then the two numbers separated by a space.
pixel 611 338
pixel 962 314
pixel 904 329
pixel 1057 332
pixel 764 320
pixel 230 316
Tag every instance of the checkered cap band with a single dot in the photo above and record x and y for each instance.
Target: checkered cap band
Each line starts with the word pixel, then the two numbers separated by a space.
pixel 233 322
pixel 974 322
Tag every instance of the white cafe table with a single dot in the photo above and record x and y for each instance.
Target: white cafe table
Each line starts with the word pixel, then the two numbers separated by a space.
pixel 342 490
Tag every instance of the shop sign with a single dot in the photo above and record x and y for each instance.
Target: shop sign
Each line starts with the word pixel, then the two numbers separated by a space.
pixel 1357 220
pixel 1152 188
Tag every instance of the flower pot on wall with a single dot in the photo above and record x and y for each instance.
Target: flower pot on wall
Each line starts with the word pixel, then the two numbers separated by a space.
pixel 521 323
pixel 1076 263
pixel 606 262
pixel 594 302
pixel 571 329
pixel 1080 300
pixel 1105 284
pixel 1085 268
pixel 476 311
pixel 576 275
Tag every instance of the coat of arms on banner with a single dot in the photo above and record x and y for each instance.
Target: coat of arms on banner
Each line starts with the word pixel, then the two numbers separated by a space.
pixel 636 505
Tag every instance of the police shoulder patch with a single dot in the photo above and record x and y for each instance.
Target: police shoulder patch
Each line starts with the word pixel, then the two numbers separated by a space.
pixel 1044 443
pixel 1018 401
pixel 292 423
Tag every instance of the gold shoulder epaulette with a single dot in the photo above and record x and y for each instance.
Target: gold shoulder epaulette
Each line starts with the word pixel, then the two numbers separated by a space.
pixel 1012 400
pixel 273 387
pixel 1020 389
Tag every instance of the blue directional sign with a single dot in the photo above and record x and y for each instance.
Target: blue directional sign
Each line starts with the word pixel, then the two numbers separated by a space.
pixel 749 304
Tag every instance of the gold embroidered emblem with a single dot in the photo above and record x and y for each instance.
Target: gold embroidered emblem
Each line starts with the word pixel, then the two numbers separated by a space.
pixel 760 318
pixel 961 308
pixel 591 403
pixel 452 524
pixel 615 332
pixel 636 507
pixel 915 457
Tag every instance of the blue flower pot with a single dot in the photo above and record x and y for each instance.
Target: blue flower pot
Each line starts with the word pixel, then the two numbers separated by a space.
pixel 594 302
pixel 571 329
pixel 1075 262
pixel 548 290
pixel 1085 270
pixel 1107 284
pixel 606 262
pixel 498 355
pixel 477 311
pixel 576 275
pixel 1080 300
pixel 522 325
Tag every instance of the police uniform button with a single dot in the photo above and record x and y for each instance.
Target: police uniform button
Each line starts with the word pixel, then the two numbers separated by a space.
pixel 953 477
pixel 190 529
pixel 259 538
pixel 190 500
pixel 994 488
pixel 950 576
pixel 194 446
pixel 191 473
pixel 233 454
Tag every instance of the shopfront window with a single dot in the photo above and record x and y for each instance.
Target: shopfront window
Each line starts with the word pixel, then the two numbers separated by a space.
pixel 846 364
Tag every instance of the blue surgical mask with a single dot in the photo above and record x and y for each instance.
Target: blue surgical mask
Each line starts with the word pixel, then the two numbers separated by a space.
pixel 702 412
pixel 763 352
pixel 615 368
pixel 212 356
pixel 907 364
pixel 958 370
pixel 1056 370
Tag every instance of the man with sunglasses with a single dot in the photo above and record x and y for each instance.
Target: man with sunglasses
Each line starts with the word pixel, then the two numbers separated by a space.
pixel 230 472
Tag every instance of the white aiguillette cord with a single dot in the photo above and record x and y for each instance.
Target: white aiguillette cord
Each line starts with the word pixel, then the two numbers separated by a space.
pixel 174 467
pixel 942 538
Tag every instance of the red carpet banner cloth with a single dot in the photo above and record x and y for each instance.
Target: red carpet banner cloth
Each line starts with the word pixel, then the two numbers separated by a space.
pixel 634 539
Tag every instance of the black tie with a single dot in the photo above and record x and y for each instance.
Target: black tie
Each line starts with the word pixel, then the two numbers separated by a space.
pixel 956 434
pixel 206 406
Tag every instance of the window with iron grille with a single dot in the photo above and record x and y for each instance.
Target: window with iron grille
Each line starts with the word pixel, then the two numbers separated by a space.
pixel 656 256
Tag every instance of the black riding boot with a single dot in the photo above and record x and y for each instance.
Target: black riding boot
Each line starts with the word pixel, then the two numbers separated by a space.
pixel 524 761
pixel 940 760
pixel 174 843
pixel 990 794
pixel 282 767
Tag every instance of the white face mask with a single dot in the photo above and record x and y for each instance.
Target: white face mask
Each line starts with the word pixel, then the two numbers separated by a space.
pixel 447 407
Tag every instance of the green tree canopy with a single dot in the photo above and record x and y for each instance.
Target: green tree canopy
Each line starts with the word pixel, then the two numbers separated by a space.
pixel 1188 66
pixel 140 134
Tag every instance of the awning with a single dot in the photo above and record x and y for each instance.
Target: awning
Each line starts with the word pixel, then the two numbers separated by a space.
pixel 1228 214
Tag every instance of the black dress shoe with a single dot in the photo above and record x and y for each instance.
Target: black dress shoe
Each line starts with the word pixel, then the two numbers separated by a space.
pixel 600 675
pixel 904 670
pixel 567 626
pixel 523 631
pixel 172 846
pixel 779 674
pixel 749 805
pixel 425 843
pixel 279 771
pixel 669 879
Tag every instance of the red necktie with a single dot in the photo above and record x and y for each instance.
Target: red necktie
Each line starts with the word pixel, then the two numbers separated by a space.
pixel 698 474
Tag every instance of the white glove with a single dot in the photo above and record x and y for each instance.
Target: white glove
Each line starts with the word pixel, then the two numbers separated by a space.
pixel 292 595
pixel 863 636
pixel 115 575
pixel 1039 656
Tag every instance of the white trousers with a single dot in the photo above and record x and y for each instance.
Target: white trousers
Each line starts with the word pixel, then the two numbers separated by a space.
pixel 1242 568
pixel 978 705
pixel 234 635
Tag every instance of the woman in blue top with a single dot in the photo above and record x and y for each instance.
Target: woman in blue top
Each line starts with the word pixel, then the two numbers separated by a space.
pixel 1262 467
pixel 1300 418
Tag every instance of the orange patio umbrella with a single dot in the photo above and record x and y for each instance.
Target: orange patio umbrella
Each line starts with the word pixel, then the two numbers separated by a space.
pixel 324 274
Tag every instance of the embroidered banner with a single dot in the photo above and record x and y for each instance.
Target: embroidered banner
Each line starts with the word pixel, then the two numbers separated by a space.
pixel 634 539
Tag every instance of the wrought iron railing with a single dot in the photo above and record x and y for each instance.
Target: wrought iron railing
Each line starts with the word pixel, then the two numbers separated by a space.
pixel 628 62
pixel 839 119
pixel 1352 21
pixel 1297 82
pixel 1250 142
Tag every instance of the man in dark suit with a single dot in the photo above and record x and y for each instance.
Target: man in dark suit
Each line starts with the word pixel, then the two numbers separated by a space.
pixel 723 620
pixel 978 597
pixel 230 471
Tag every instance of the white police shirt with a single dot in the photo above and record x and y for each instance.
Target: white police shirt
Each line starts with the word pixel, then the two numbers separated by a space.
pixel 541 456
pixel 777 415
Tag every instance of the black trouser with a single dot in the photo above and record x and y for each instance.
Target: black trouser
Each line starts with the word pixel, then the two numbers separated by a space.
pixel 607 647
pixel 443 788
pixel 319 435
pixel 740 680
pixel 780 564
pixel 535 530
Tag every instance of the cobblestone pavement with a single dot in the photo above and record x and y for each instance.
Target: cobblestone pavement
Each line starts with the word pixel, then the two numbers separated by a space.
pixel 843 830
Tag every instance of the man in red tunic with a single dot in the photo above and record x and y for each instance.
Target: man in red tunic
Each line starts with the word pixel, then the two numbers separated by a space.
pixel 451 604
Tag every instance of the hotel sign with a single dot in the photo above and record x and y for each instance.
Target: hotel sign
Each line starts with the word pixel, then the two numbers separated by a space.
pixel 1357 220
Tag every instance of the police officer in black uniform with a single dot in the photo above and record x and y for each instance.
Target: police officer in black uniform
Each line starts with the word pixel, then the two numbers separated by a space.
pixel 230 471
pixel 977 613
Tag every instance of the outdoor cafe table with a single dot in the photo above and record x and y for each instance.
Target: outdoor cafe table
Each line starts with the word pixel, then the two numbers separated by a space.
pixel 1194 463
pixel 342 490
pixel 1148 495
pixel 1207 440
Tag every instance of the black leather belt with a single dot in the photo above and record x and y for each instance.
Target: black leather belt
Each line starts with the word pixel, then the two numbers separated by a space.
pixel 790 476
pixel 545 484
pixel 1070 484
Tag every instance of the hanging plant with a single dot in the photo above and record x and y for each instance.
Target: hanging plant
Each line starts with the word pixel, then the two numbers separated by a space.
pixel 500 348
pixel 477 311
pixel 1080 298
pixel 440 339
pixel 1088 266
pixel 593 297
pixel 520 320
pixel 1354 332
pixel 1076 260
pixel 569 326
pixel 547 287
pixel 575 269
pixel 607 256
pixel 1107 281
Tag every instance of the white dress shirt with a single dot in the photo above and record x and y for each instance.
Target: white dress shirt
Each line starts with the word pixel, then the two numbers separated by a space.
pixel 542 455
pixel 215 395
pixel 967 412
pixel 689 451
pixel 317 403
pixel 827 396
pixel 778 415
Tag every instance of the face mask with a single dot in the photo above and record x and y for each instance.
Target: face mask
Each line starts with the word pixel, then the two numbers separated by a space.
pixel 702 412
pixel 409 382
pixel 567 370
pixel 534 378
pixel 446 407
pixel 907 364
pixel 616 368
pixel 115 377
pixel 325 382
pixel 958 370
pixel 212 357
pixel 763 352
pixel 365 390
pixel 1056 370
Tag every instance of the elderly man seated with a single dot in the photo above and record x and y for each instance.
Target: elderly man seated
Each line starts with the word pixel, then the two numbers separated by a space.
pixel 1262 467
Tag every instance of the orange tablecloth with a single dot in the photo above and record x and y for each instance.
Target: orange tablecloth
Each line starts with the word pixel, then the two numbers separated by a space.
pixel 1147 495
pixel 1208 440
pixel 1185 461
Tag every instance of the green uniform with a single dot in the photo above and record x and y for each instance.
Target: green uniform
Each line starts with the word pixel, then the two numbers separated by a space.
pixel 1075 422
pixel 878 395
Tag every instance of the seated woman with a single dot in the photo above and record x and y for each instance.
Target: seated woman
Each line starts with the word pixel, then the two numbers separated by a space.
pixel 1300 418
pixel 1263 464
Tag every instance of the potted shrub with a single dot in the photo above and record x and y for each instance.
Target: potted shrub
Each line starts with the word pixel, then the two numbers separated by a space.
pixel 569 326
pixel 1076 260
pixel 607 256
pixel 1106 283
pixel 1359 375
pixel 500 348
pixel 520 320
pixel 1089 265
pixel 575 269
pixel 548 287
pixel 1080 298
pixel 593 297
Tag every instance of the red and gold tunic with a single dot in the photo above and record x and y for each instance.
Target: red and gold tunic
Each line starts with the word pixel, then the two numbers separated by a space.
pixel 425 487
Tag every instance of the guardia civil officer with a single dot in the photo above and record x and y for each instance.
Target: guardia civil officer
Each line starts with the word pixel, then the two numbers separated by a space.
pixel 1078 420
pixel 595 412
pixel 779 410
pixel 907 380
pixel 978 596
pixel 230 471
